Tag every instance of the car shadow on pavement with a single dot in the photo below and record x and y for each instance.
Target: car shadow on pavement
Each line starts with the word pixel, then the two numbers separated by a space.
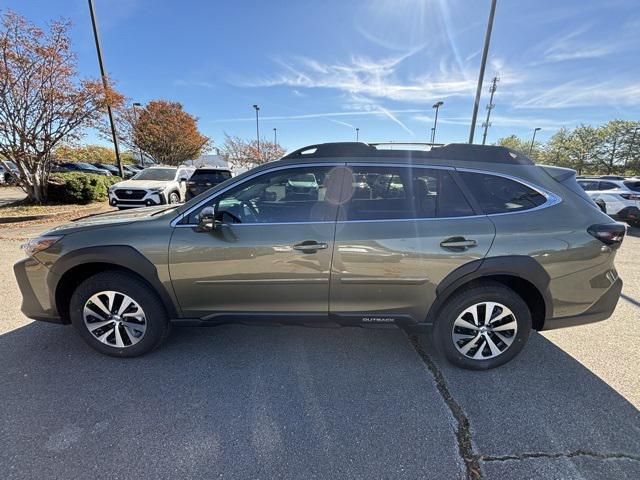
pixel 545 415
pixel 292 402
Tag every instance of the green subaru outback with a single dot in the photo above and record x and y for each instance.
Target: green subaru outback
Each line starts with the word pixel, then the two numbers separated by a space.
pixel 476 243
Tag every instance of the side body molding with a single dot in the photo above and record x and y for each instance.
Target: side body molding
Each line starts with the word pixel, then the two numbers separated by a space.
pixel 123 256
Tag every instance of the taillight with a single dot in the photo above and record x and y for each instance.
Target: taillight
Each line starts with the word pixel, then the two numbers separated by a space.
pixel 630 196
pixel 610 234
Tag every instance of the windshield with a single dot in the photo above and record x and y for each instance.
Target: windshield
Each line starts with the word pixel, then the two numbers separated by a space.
pixel 161 174
pixel 216 176
pixel 86 166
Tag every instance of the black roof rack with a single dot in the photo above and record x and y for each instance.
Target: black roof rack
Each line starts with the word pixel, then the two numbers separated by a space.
pixel 451 151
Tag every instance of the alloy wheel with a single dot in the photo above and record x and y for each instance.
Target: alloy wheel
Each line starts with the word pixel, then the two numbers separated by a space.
pixel 114 319
pixel 484 330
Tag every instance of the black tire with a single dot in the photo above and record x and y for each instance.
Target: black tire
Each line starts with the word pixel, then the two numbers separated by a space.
pixel 157 323
pixel 174 197
pixel 487 291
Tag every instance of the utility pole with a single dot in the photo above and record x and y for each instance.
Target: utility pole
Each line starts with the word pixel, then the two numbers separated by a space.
pixel 275 136
pixel 535 130
pixel 357 134
pixel 483 63
pixel 487 123
pixel 257 109
pixel 105 84
pixel 137 116
pixel 437 106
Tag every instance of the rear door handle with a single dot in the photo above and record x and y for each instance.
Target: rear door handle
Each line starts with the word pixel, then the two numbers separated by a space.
pixel 310 246
pixel 458 243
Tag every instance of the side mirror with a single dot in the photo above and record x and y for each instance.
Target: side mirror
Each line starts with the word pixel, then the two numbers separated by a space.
pixel 207 221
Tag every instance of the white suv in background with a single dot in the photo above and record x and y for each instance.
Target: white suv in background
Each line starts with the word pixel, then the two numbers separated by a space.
pixel 618 197
pixel 151 186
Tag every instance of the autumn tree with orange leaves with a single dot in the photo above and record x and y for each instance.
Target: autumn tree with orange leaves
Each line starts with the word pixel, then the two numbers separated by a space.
pixel 243 154
pixel 42 101
pixel 167 133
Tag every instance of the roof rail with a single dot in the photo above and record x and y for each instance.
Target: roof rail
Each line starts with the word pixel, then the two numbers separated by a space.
pixel 451 151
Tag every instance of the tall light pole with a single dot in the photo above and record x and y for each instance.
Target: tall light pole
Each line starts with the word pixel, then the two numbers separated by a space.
pixel 137 115
pixel 437 106
pixel 275 136
pixel 535 130
pixel 485 52
pixel 487 123
pixel 96 37
pixel 357 134
pixel 257 109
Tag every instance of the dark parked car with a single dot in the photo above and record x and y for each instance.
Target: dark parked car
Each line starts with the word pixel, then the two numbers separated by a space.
pixel 113 169
pixel 205 178
pixel 83 167
pixel 474 242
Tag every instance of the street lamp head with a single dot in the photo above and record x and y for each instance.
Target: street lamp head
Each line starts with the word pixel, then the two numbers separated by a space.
pixel 537 128
pixel 137 104
pixel 438 104
pixel 256 107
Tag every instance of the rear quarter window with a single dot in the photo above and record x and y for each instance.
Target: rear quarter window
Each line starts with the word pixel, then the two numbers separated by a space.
pixel 497 194
pixel 631 185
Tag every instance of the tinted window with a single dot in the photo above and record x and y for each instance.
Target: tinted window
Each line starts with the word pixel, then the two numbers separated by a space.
pixel 210 176
pixel 291 195
pixel 501 195
pixel 387 193
pixel 631 185
pixel 588 185
pixel 608 186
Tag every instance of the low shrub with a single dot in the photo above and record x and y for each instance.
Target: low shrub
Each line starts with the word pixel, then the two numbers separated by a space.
pixel 79 187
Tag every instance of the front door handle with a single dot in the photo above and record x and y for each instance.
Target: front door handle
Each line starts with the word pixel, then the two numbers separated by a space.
pixel 310 246
pixel 458 243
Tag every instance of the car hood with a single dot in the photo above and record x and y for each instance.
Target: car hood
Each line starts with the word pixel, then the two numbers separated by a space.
pixel 142 184
pixel 109 219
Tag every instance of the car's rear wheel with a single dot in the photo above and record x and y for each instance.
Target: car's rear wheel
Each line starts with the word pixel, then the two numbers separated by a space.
pixel 118 314
pixel 482 326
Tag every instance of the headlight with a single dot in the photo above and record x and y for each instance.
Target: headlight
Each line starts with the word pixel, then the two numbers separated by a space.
pixel 156 190
pixel 39 244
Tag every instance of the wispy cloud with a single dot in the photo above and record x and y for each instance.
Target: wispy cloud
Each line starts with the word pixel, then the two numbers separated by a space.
pixel 374 78
pixel 192 83
pixel 354 113
pixel 582 93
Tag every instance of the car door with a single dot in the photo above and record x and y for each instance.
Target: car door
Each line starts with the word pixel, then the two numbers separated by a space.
pixel 269 255
pixel 394 247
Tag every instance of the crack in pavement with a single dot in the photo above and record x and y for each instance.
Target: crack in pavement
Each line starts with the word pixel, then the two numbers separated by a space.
pixel 463 433
pixel 576 453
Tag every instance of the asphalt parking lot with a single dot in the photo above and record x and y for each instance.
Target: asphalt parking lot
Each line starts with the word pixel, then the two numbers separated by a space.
pixel 291 402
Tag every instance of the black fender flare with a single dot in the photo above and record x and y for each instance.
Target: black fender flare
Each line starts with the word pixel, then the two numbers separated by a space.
pixel 122 256
pixel 521 266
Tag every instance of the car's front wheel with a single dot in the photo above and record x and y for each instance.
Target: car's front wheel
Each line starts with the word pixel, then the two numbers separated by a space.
pixel 118 314
pixel 482 326
pixel 174 197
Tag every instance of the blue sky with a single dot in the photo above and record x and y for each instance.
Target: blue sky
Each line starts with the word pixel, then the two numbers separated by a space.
pixel 318 69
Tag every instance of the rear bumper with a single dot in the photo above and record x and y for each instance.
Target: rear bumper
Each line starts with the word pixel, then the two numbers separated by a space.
pixel 36 300
pixel 601 310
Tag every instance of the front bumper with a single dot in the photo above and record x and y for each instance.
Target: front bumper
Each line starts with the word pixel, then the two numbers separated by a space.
pixel 149 200
pixel 37 301
pixel 601 310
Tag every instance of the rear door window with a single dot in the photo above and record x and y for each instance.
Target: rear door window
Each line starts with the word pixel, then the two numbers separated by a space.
pixel 396 193
pixel 497 194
